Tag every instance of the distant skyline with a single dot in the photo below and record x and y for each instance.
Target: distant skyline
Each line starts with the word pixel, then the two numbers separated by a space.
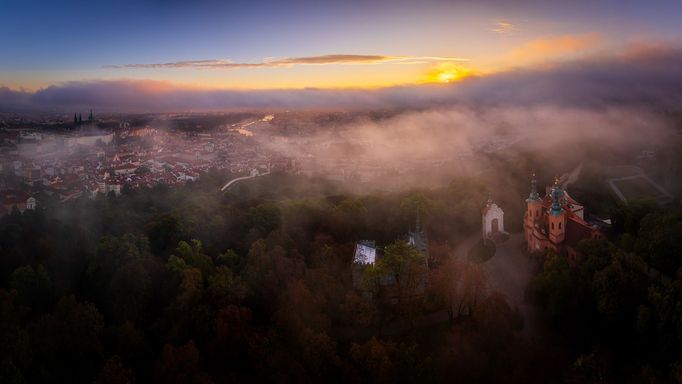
pixel 301 44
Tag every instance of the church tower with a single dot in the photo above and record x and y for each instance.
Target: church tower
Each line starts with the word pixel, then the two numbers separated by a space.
pixel 556 220
pixel 534 204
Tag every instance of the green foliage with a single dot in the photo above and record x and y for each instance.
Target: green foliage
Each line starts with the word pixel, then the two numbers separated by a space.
pixel 165 230
pixel 620 286
pixel 658 241
pixel 191 255
pixel 399 259
pixel 554 287
pixel 659 320
pixel 176 264
pixel 626 217
pixel 229 258
pixel 224 287
pixel 264 218
pixel 181 284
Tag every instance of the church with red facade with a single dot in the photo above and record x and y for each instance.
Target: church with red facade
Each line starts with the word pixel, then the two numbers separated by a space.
pixel 555 222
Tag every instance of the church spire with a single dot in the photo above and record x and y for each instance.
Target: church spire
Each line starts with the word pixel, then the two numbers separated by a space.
pixel 557 197
pixel 534 196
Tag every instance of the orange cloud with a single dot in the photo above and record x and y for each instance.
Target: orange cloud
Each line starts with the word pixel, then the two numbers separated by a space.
pixel 552 48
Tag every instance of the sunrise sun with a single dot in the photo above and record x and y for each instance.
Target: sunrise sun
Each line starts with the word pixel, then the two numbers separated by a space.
pixel 448 73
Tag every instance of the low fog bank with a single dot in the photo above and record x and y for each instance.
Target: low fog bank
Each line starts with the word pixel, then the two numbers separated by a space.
pixel 639 76
pixel 498 144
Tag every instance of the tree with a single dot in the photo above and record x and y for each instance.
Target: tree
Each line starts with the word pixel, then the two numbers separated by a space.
pixel 659 323
pixel 113 372
pixel 264 218
pixel 224 287
pixel 231 259
pixel 658 241
pixel 67 341
pixel 626 217
pixel 180 365
pixel 554 288
pixel 194 257
pixel 33 285
pixel 406 266
pixel 373 361
pixel 269 270
pixel 462 286
pixel 300 309
pixel 620 287
pixel 175 264
pixel 165 230
pixel 417 205
pixel 191 288
pixel 594 256
pixel 15 349
pixel 131 289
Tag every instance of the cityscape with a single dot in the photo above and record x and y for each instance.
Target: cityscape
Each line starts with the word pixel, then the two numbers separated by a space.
pixel 341 191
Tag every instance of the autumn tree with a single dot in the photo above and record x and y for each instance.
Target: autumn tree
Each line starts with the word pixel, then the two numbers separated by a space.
pixel 462 286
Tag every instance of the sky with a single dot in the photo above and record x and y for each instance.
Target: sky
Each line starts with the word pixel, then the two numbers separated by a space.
pixel 161 45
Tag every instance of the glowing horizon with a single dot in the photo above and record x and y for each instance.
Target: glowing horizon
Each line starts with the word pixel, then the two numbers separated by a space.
pixel 331 45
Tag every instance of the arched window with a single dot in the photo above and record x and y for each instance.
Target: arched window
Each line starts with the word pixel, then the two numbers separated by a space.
pixel 560 225
pixel 552 226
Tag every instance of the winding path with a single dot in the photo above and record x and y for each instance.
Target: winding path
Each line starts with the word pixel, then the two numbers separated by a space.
pixel 509 273
pixel 234 181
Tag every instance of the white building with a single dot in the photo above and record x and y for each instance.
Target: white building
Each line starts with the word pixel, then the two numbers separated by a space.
pixel 31 203
pixel 365 253
pixel 492 219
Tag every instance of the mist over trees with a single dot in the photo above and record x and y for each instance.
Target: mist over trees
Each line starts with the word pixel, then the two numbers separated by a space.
pixel 189 285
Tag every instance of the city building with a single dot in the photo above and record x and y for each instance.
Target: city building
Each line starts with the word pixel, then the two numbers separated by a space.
pixel 10 199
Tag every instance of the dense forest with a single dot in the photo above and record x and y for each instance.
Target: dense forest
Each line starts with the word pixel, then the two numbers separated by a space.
pixel 188 285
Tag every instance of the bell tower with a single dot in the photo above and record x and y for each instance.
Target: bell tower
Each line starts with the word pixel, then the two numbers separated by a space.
pixel 557 215
pixel 534 204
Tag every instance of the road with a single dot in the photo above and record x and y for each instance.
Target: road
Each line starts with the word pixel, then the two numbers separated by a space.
pixel 509 273
pixel 233 181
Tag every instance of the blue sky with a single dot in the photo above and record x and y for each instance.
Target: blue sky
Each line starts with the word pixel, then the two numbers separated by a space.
pixel 48 42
